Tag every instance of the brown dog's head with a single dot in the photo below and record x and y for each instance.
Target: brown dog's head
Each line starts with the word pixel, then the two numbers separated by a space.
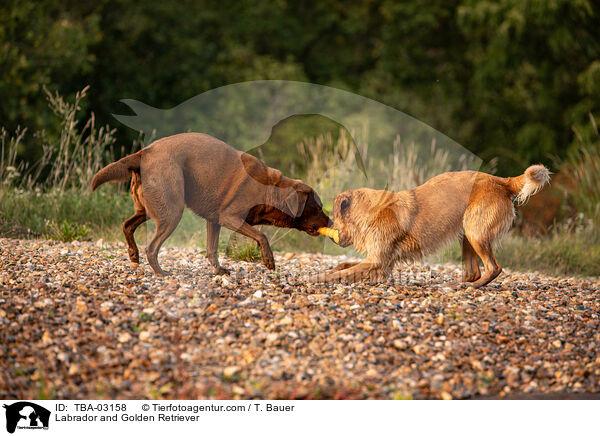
pixel 305 207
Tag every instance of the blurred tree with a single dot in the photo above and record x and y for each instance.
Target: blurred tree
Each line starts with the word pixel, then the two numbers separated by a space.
pixel 531 62
pixel 41 44
pixel 507 78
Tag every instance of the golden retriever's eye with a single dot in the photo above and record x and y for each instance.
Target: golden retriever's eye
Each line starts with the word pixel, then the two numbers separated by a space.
pixel 344 205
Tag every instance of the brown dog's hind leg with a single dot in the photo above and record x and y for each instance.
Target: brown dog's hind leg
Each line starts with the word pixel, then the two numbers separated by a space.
pixel 212 247
pixel 238 225
pixel 138 217
pixel 164 228
pixel 129 228
pixel 471 267
pixel 164 201
pixel 492 269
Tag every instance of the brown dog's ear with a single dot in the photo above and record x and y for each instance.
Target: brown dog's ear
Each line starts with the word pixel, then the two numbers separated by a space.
pixel 294 203
pixel 259 171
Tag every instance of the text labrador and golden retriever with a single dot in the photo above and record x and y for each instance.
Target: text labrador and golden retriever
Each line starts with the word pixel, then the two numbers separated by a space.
pixel 226 186
pixel 392 227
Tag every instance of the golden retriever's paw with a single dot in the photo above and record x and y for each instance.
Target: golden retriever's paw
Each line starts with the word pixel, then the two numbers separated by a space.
pixel 317 278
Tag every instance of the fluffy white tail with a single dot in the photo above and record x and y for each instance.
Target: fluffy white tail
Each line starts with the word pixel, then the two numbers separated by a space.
pixel 533 179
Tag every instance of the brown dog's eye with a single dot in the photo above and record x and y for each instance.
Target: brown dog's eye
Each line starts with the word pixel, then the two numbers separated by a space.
pixel 344 205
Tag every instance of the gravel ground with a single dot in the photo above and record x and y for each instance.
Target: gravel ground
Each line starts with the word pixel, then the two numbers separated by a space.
pixel 79 321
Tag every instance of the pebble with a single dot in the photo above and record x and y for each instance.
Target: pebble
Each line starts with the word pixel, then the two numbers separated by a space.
pixel 92 325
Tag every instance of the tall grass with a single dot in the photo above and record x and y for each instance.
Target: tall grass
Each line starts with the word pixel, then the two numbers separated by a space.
pixel 51 197
pixel 69 162
pixel 583 163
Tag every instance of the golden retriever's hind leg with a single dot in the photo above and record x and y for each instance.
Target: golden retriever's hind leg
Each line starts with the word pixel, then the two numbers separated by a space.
pixel 471 271
pixel 129 228
pixel 492 269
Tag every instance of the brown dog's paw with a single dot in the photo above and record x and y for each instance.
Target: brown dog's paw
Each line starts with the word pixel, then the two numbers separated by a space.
pixel 269 262
pixel 219 271
pixel 134 256
pixel 161 272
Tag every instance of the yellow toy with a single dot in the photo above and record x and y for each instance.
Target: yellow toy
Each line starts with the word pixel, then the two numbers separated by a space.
pixel 331 233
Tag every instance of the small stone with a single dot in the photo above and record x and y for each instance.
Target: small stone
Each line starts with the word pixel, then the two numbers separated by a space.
pixel 238 390
pixel 557 344
pixel 73 369
pixel 400 345
pixel 512 376
pixel 371 373
pixel 257 294
pixel 476 365
pixel 419 349
pixel 80 307
pixel 124 337
pixel 46 338
pixel 106 306
pixel 230 371
pixel 446 395
pixel 144 335
pixel 286 320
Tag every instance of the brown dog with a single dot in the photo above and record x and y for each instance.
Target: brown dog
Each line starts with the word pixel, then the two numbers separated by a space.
pixel 227 187
pixel 391 227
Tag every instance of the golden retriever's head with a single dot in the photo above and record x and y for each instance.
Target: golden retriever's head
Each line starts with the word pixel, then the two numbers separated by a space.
pixel 348 210
pixel 358 212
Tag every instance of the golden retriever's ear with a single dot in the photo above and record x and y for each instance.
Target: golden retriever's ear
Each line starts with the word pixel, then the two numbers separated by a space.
pixel 344 205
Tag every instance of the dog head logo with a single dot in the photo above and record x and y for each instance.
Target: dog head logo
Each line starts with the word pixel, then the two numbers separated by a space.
pixel 26 415
pixel 270 118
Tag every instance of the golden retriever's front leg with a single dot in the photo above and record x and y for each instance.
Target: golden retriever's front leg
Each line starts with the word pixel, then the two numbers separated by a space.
pixel 344 265
pixel 361 271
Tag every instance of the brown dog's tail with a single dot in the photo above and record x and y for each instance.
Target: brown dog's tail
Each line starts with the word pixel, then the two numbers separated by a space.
pixel 118 171
pixel 529 183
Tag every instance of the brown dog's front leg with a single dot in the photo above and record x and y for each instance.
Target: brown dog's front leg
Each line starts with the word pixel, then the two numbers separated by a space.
pixel 212 247
pixel 361 271
pixel 240 226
